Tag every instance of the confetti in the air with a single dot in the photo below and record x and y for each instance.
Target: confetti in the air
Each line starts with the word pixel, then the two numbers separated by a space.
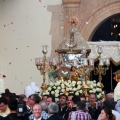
pixel 4 76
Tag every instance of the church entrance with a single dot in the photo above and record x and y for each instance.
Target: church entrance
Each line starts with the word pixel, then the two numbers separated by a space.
pixel 109 30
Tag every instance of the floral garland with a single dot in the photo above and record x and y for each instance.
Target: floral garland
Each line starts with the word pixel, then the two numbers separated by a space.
pixel 66 87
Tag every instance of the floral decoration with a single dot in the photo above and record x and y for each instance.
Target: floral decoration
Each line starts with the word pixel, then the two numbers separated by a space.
pixel 66 87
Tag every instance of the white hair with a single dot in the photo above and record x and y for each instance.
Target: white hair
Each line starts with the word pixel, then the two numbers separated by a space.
pixel 53 108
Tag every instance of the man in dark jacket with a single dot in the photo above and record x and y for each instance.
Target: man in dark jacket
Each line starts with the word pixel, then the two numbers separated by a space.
pixel 53 112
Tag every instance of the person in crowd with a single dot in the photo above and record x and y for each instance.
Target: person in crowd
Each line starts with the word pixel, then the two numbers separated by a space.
pixel 106 114
pixel 110 104
pixel 117 97
pixel 75 99
pixel 50 99
pixel 82 98
pixel 109 96
pixel 94 107
pixel 37 111
pixel 32 100
pixel 4 109
pixel 44 109
pixel 44 114
pixel 80 114
pixel 70 96
pixel 62 105
pixel 22 97
pixel 53 112
pixel 44 97
pixel 12 104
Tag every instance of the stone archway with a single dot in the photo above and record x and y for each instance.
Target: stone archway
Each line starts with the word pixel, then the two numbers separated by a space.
pixel 95 19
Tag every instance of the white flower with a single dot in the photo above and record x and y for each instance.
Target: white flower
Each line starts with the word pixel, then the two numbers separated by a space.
pixel 56 95
pixel 56 91
pixel 94 90
pixel 66 93
pixel 46 91
pixel 97 89
pixel 78 87
pixel 69 81
pixel 76 93
pixel 63 90
pixel 94 85
pixel 70 89
pixel 74 89
pixel 62 86
pixel 94 81
pixel 80 91
pixel 52 92
pixel 58 88
pixel 55 84
pixel 56 99
pixel 90 91
pixel 58 83
pixel 88 82
pixel 54 87
pixel 73 82
pixel 49 88
pixel 51 83
pixel 91 86
pixel 98 84
pixel 79 82
pixel 67 89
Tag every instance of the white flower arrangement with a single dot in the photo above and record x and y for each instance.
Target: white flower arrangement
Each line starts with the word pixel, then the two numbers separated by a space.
pixel 65 87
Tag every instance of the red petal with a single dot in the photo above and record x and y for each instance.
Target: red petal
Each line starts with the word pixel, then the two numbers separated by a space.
pixel 4 76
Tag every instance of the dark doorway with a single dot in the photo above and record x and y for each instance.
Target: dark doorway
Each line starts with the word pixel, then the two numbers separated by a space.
pixel 109 30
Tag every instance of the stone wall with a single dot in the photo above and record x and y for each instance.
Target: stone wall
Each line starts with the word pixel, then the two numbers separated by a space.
pixel 88 13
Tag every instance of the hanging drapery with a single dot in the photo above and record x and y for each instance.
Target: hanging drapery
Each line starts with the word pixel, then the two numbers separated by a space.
pixel 110 49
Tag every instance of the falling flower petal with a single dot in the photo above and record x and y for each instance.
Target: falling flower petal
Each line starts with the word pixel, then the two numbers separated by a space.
pixel 4 76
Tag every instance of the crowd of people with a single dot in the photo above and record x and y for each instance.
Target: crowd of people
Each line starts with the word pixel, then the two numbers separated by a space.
pixel 69 107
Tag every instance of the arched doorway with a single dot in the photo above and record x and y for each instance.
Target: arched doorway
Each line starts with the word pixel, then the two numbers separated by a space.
pixel 108 30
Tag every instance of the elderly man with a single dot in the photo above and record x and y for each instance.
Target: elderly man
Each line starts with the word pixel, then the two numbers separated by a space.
pixel 53 112
pixel 37 110
pixel 44 114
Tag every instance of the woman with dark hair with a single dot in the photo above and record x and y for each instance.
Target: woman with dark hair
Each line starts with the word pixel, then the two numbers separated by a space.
pixel 106 114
